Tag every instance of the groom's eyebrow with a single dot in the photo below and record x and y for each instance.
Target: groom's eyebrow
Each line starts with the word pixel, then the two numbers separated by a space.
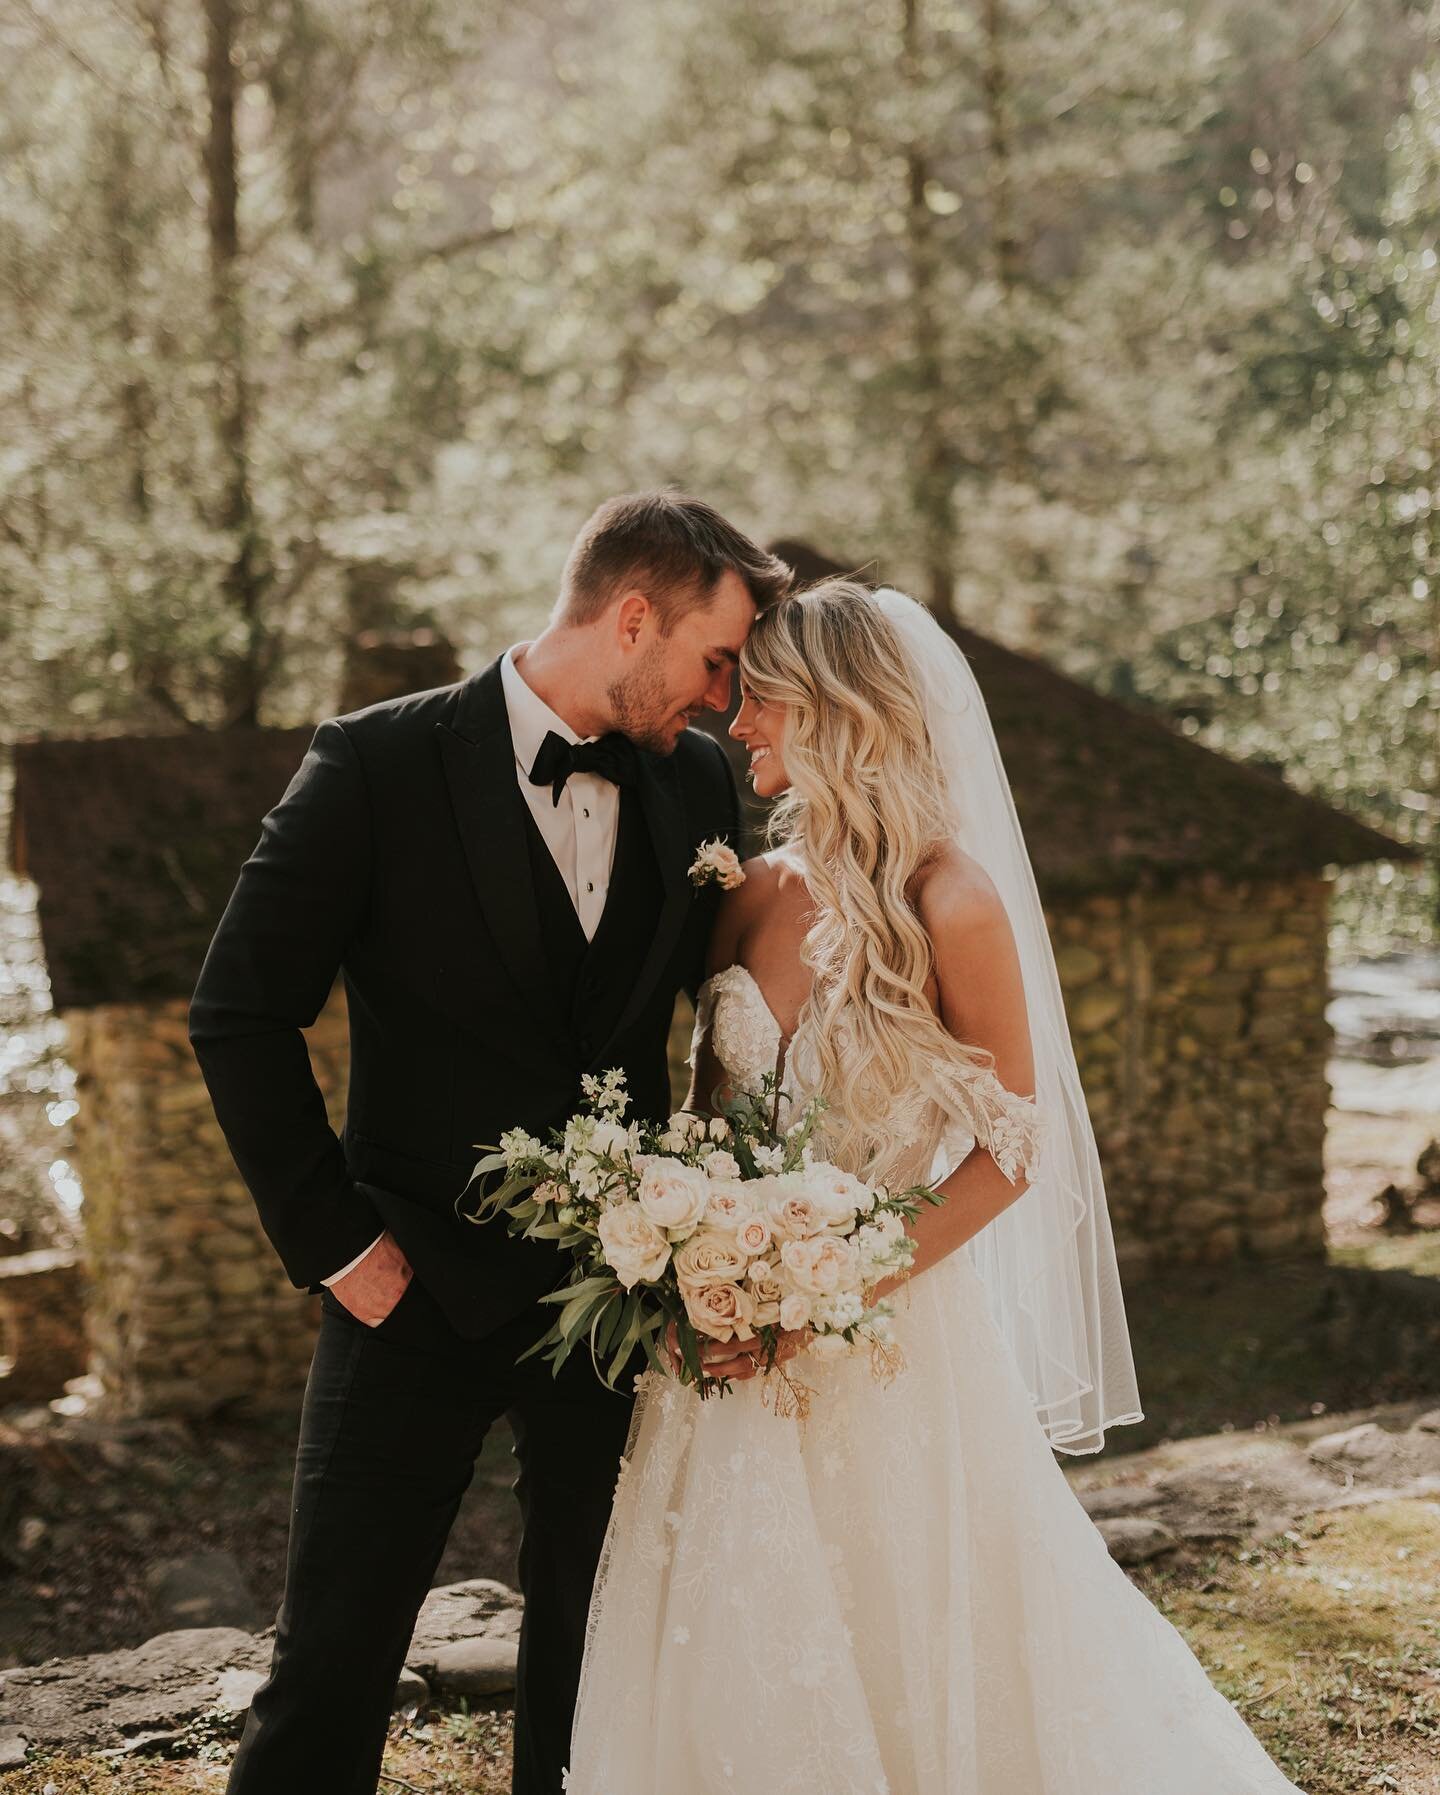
pixel 727 654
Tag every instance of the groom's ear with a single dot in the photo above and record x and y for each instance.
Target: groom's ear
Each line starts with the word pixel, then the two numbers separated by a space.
pixel 635 618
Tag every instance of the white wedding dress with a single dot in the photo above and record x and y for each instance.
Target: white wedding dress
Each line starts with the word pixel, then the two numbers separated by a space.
pixel 901 1595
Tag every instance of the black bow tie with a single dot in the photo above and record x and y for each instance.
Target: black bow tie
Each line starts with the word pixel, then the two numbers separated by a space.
pixel 612 758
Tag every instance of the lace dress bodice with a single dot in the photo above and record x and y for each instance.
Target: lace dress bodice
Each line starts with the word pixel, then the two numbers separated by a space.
pixel 937 1123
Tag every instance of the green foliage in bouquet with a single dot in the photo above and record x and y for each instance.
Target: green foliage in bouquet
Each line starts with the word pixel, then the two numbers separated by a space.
pixel 727 1227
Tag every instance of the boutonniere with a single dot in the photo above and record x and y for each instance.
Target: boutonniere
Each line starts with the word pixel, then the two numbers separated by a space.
pixel 716 863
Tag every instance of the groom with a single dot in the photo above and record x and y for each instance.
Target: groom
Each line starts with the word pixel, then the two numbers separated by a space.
pixel 499 870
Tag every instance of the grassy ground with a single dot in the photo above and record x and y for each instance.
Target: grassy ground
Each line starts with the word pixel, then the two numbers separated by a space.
pixel 1229 1350
pixel 1327 1639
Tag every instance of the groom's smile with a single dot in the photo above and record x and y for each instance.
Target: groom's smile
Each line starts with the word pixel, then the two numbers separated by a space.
pixel 669 677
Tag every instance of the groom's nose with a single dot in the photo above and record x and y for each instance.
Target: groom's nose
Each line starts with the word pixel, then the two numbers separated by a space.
pixel 717 693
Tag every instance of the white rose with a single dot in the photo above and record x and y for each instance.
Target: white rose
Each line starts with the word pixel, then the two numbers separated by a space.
pixel 838 1193
pixel 721 1164
pixel 794 1212
pixel 723 1311
pixel 610 1140
pixel 635 1249
pixel 719 1128
pixel 728 1204
pixel 710 1256
pixel 753 1235
pixel 795 1310
pixel 673 1196
pixel 820 1265
pixel 767 1290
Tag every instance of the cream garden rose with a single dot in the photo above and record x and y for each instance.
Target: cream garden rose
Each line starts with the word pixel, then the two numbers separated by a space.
pixel 635 1249
pixel 820 1265
pixel 839 1195
pixel 719 863
pixel 794 1211
pixel 729 1204
pixel 710 1256
pixel 753 1235
pixel 723 1311
pixel 673 1196
pixel 768 1291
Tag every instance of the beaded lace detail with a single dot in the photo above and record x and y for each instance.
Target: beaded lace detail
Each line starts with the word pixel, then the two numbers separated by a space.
pixel 953 1112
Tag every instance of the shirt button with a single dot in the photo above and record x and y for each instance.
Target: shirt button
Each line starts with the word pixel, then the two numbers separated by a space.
pixel 589 884
pixel 584 813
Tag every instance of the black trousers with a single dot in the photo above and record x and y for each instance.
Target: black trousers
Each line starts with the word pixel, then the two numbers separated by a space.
pixel 393 1420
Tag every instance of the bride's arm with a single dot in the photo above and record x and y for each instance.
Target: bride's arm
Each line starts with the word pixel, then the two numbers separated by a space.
pixel 706 1072
pixel 981 1001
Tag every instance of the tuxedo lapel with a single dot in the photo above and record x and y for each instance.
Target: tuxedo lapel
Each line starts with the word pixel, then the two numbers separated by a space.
pixel 664 808
pixel 478 758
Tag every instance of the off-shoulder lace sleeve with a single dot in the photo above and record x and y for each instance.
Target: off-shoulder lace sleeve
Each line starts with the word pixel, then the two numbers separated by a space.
pixel 978 1108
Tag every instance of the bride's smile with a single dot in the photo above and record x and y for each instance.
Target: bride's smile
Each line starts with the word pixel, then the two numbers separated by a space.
pixel 760 729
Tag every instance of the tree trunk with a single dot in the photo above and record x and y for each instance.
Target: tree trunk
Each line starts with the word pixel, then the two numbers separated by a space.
pixel 244 581
pixel 1004 239
pixel 933 475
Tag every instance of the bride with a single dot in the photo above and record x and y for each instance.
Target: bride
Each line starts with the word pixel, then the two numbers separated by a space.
pixel 900 1592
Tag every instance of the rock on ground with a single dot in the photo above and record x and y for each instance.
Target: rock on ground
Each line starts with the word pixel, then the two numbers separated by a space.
pixel 464 1644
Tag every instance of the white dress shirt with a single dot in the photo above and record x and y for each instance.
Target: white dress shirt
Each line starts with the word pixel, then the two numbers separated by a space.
pixel 579 831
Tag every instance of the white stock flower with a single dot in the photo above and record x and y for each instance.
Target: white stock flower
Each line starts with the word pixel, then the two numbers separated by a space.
pixel 516 1145
pixel 635 1249
pixel 673 1196
pixel 840 1311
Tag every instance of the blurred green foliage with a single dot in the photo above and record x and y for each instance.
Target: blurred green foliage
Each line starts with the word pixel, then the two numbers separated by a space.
pixel 1113 326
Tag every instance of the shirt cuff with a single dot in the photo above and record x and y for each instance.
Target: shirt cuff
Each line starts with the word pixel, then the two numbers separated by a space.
pixel 336 1275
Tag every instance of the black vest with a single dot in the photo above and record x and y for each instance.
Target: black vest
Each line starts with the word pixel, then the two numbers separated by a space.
pixel 591 981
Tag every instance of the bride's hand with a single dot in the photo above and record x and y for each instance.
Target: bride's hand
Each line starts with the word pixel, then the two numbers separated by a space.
pixel 737 1359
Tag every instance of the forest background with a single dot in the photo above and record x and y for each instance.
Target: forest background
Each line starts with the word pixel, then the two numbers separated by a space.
pixel 1109 326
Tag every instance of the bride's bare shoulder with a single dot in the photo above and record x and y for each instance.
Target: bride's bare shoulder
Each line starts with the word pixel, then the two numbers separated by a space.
pixel 952 892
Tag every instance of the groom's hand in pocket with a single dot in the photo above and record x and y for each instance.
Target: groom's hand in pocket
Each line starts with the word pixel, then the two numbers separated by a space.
pixel 377 1283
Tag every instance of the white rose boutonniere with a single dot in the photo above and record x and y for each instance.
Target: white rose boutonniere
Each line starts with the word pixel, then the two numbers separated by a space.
pixel 718 863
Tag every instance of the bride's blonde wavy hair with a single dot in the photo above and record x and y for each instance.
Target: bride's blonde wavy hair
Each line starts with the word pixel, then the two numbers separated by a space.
pixel 867 807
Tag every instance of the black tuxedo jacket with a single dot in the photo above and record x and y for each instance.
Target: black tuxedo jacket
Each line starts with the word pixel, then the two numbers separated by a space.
pixel 398 856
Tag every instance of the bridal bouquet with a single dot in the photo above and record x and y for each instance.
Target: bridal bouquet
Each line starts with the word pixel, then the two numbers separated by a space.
pixel 729 1228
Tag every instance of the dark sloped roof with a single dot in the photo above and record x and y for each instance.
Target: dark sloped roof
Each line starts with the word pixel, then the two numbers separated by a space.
pixel 135 843
pixel 1110 797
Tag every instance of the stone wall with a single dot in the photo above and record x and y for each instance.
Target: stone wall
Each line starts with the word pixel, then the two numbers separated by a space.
pixel 190 1306
pixel 1198 1017
pixel 42 1324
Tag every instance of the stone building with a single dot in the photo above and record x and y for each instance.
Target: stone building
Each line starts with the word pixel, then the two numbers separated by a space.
pixel 1186 897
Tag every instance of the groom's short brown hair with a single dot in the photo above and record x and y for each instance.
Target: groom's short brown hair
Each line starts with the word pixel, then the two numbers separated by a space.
pixel 674 546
